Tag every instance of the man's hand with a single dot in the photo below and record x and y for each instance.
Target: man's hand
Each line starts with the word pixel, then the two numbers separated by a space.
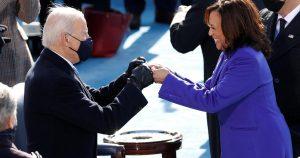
pixel 141 77
pixel 3 40
pixel 3 28
pixel 135 63
pixel 183 8
pixel 180 14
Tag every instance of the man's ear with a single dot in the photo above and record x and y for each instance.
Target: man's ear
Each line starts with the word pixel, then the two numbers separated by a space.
pixel 11 122
pixel 65 39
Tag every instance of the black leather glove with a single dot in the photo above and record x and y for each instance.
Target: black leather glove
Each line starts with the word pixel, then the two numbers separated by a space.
pixel 3 40
pixel 36 154
pixel 3 28
pixel 134 63
pixel 141 76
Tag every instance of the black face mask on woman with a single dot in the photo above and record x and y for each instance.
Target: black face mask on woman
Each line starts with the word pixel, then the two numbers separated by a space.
pixel 85 48
pixel 274 5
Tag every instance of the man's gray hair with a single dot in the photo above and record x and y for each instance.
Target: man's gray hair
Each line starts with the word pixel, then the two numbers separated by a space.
pixel 8 105
pixel 61 19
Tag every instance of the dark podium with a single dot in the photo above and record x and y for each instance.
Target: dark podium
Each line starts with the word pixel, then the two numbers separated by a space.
pixel 147 142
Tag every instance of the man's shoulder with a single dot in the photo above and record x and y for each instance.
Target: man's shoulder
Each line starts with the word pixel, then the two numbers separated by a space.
pixel 41 70
pixel 45 74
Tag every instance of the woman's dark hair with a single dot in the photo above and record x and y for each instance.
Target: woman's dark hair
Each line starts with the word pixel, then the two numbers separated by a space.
pixel 241 25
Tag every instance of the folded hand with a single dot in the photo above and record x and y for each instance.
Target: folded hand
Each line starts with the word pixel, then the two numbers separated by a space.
pixel 159 73
pixel 141 76
pixel 135 63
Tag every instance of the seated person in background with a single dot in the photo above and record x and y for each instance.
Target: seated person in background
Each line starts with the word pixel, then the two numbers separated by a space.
pixel 62 114
pixel 8 121
pixel 240 90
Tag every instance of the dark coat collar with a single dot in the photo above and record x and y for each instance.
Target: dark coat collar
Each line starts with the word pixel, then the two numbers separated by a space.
pixel 54 58
pixel 7 138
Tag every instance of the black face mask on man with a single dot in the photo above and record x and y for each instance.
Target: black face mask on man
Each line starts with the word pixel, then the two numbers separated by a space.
pixel 85 48
pixel 274 5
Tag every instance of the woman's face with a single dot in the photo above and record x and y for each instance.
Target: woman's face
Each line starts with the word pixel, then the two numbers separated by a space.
pixel 215 30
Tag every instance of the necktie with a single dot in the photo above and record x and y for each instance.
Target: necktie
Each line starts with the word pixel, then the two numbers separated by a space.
pixel 282 24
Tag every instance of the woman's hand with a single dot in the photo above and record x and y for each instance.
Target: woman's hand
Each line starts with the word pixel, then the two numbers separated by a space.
pixel 159 73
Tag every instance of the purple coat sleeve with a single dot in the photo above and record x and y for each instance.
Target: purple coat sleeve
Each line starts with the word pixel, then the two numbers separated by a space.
pixel 237 80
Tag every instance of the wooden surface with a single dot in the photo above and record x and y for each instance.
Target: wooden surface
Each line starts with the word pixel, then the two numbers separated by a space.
pixel 148 142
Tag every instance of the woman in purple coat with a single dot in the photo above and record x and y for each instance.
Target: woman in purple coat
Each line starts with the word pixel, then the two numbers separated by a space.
pixel 240 90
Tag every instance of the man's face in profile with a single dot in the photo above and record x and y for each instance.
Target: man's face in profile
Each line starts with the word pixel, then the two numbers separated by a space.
pixel 274 5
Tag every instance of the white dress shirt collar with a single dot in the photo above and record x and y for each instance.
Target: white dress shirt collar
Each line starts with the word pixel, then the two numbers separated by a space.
pixel 288 18
pixel 72 66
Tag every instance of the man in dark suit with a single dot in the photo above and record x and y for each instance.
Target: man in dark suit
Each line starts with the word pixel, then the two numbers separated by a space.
pixel 282 22
pixel 187 32
pixel 62 114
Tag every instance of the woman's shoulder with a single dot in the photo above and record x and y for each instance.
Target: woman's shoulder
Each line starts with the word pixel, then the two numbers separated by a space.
pixel 248 55
pixel 247 52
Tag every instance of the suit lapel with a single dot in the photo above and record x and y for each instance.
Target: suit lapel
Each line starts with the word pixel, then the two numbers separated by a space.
pixel 63 65
pixel 287 39
pixel 217 72
pixel 83 87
